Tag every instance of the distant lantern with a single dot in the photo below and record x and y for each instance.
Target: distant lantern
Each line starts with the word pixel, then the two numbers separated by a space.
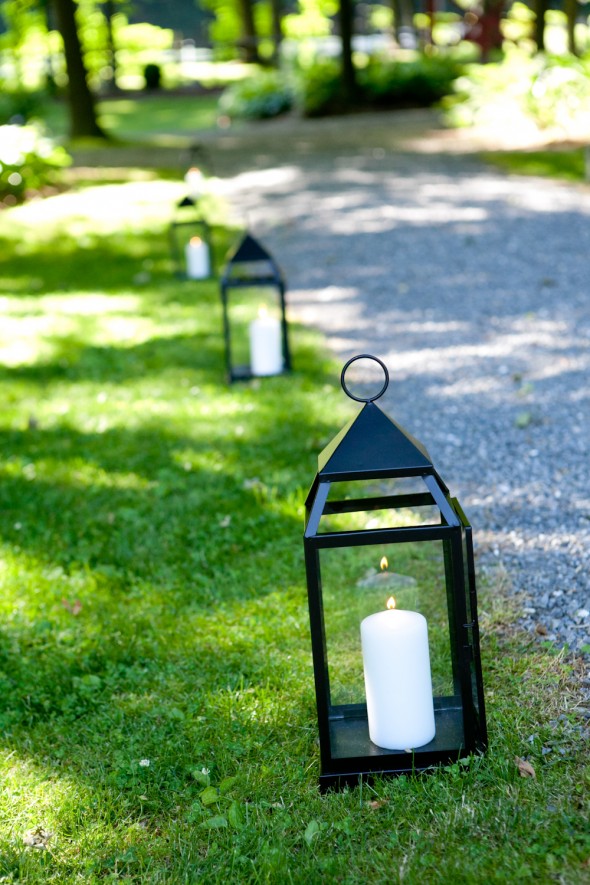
pixel 392 604
pixel 190 233
pixel 254 313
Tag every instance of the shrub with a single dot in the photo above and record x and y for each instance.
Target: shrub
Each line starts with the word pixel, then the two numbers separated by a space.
pixel 318 87
pixel 29 161
pixel 419 82
pixel 265 94
pixel 560 92
pixel 543 91
pixel 20 105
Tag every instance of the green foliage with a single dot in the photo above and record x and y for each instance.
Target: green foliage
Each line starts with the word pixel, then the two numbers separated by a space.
pixel 318 87
pixel 421 81
pixel 20 105
pixel 569 165
pixel 560 91
pixel 312 19
pixel 22 44
pixel 28 162
pixel 265 94
pixel 136 45
pixel 314 87
pixel 226 27
pixel 27 46
pixel 544 91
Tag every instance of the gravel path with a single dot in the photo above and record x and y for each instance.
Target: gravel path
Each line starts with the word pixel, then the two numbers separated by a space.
pixel 474 287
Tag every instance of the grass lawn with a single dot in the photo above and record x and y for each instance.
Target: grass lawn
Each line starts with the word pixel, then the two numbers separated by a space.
pixel 143 116
pixel 156 707
pixel 568 165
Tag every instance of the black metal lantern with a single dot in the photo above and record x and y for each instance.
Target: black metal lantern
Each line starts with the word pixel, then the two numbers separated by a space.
pixel 254 313
pixel 397 691
pixel 190 241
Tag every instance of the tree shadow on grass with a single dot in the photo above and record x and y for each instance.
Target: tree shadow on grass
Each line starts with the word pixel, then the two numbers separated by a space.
pixel 74 361
pixel 147 607
pixel 65 263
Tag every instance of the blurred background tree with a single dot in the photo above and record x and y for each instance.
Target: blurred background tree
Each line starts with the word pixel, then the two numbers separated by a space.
pixel 327 55
pixel 83 120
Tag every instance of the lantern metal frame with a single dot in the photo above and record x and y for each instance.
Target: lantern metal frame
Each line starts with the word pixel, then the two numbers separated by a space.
pixel 189 218
pixel 251 266
pixel 374 447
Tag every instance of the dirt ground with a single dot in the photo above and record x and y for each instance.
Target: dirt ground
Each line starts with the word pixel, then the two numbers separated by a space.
pixel 247 146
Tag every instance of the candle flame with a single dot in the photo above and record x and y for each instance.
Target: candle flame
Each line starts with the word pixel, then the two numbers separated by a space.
pixel 391 603
pixel 196 241
pixel 384 563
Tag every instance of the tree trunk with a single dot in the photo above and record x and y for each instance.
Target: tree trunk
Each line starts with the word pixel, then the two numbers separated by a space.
pixel 571 11
pixel 403 20
pixel 49 63
pixel 540 7
pixel 83 122
pixel 109 11
pixel 345 16
pixel 249 40
pixel 486 30
pixel 277 28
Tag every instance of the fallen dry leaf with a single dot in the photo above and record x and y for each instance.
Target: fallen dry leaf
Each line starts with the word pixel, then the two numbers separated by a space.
pixel 377 803
pixel 38 837
pixel 525 768
pixel 74 607
pixel 541 629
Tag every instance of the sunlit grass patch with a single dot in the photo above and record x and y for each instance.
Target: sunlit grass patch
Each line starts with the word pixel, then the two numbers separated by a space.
pixel 569 165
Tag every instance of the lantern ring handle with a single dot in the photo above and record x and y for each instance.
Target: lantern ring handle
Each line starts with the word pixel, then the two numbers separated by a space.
pixel 365 399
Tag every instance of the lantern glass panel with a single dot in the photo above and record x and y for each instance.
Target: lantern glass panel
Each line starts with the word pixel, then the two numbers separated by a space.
pixel 182 233
pixel 367 504
pixel 357 583
pixel 244 305
pixel 185 232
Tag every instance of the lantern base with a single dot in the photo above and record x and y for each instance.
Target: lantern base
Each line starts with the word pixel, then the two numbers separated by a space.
pixel 244 373
pixel 355 757
pixel 241 373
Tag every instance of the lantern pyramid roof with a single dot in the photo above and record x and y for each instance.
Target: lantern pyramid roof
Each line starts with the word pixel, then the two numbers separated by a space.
pixel 251 261
pixel 250 249
pixel 372 445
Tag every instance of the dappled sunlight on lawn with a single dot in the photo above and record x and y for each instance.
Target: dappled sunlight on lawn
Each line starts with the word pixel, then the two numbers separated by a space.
pixel 36 330
pixel 106 208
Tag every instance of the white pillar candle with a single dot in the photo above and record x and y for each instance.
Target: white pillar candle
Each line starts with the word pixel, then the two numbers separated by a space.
pixel 194 182
pixel 266 355
pixel 197 259
pixel 398 684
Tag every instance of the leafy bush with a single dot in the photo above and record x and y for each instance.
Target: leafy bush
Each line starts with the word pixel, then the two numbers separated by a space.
pixel 318 87
pixel 28 162
pixel 543 91
pixel 560 92
pixel 265 94
pixel 418 82
pixel 20 105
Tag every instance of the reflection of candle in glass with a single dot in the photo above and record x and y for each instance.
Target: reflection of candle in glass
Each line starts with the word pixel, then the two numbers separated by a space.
pixel 266 356
pixel 194 182
pixel 197 259
pixel 398 684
